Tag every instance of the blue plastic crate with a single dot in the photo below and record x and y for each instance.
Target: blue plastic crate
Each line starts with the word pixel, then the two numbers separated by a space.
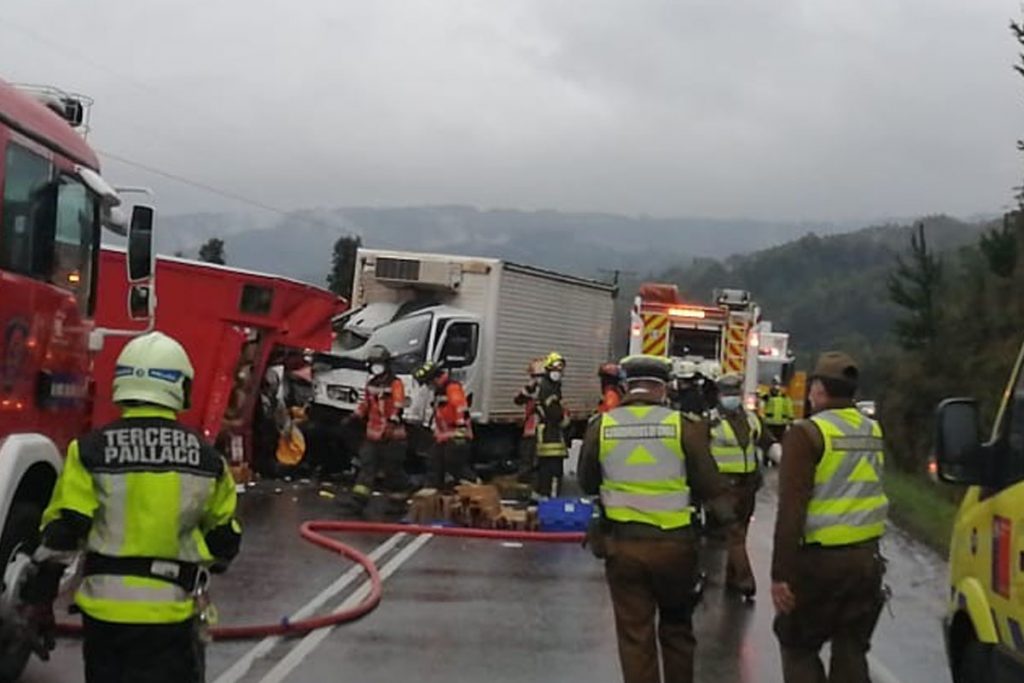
pixel 564 514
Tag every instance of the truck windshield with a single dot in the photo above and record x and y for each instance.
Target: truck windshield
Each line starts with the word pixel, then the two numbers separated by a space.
pixel 692 342
pixel 49 226
pixel 406 340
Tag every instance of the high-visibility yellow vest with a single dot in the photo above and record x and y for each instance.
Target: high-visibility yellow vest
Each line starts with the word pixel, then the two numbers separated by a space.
pixel 644 467
pixel 152 489
pixel 730 456
pixel 849 504
pixel 778 410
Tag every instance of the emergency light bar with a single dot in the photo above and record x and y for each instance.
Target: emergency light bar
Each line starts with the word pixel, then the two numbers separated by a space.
pixel 687 313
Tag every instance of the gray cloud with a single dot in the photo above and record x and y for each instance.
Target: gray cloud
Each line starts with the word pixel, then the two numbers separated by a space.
pixel 789 109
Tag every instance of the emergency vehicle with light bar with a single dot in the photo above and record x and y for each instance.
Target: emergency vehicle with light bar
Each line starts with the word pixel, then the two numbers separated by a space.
pixel 53 206
pixel 984 626
pixel 719 339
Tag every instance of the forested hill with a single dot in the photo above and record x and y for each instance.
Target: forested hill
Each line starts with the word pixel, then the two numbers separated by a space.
pixel 826 291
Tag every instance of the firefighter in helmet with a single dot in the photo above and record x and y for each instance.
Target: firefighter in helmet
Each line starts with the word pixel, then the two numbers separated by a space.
pixel 453 428
pixel 152 505
pixel 552 425
pixel 383 450
pixel 689 391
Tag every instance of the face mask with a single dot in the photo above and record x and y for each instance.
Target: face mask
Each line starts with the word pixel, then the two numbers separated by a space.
pixel 555 375
pixel 730 403
pixel 377 369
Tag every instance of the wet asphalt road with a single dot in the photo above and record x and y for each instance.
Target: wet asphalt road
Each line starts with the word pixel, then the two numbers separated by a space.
pixel 459 610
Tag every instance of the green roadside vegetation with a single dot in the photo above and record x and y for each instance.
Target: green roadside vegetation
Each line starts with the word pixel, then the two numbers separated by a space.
pixel 921 507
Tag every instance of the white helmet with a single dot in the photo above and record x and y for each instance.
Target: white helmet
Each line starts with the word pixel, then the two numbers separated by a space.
pixel 685 369
pixel 154 368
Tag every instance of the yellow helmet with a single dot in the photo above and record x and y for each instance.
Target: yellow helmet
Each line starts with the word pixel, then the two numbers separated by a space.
pixel 554 361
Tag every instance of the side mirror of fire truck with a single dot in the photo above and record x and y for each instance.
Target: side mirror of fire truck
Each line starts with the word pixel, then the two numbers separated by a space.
pixel 140 302
pixel 140 244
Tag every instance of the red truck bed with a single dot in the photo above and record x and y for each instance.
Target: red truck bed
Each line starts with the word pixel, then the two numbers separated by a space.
pixel 230 322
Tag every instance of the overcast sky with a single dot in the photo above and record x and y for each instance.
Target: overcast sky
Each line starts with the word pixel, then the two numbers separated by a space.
pixel 791 109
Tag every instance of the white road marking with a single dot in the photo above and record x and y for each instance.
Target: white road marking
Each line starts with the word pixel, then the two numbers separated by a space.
pixel 879 672
pixel 293 659
pixel 242 666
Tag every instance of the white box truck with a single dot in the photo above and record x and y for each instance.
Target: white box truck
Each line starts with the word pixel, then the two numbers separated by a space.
pixel 485 319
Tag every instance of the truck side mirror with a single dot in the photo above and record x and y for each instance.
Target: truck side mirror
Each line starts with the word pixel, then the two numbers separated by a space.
pixel 140 244
pixel 958 449
pixel 140 302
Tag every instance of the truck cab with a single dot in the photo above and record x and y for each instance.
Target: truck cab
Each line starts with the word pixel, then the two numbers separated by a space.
pixel 438 333
pixel 984 627
pixel 53 207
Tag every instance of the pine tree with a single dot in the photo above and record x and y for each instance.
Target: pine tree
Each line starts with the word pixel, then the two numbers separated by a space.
pixel 213 251
pixel 343 265
pixel 914 286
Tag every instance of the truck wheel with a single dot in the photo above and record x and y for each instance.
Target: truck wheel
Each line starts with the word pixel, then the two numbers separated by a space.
pixel 22 528
pixel 975 664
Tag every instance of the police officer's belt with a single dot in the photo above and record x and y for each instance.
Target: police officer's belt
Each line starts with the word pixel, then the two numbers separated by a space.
pixel 186 575
pixel 859 544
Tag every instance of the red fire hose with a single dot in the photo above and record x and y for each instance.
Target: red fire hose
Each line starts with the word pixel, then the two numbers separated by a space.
pixel 311 531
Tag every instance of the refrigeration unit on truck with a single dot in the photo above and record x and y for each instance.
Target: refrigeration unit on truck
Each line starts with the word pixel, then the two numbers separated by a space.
pixel 719 339
pixel 483 318
pixel 233 323
pixel 53 207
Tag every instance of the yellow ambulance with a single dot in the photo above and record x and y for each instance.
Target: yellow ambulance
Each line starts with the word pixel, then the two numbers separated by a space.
pixel 984 626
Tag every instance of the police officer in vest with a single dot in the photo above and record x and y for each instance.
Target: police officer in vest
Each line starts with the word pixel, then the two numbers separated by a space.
pixel 644 458
pixel 826 567
pixel 736 434
pixel 152 505
pixel 778 412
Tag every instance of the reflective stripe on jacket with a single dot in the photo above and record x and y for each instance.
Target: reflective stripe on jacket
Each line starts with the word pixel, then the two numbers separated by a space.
pixel 151 488
pixel 644 467
pixel 381 407
pixel 849 504
pixel 552 421
pixel 730 456
pixel 778 410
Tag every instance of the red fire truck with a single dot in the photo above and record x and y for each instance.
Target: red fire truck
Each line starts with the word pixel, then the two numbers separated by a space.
pixel 53 206
pixel 232 322
pixel 715 339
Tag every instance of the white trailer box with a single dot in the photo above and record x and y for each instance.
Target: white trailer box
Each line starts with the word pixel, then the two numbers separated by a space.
pixel 496 315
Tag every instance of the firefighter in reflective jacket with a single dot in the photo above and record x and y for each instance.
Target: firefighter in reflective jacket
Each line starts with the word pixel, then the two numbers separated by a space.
pixel 384 446
pixel 826 568
pixel 453 429
pixel 611 387
pixel 644 458
pixel 527 397
pixel 735 437
pixel 552 423
pixel 153 507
